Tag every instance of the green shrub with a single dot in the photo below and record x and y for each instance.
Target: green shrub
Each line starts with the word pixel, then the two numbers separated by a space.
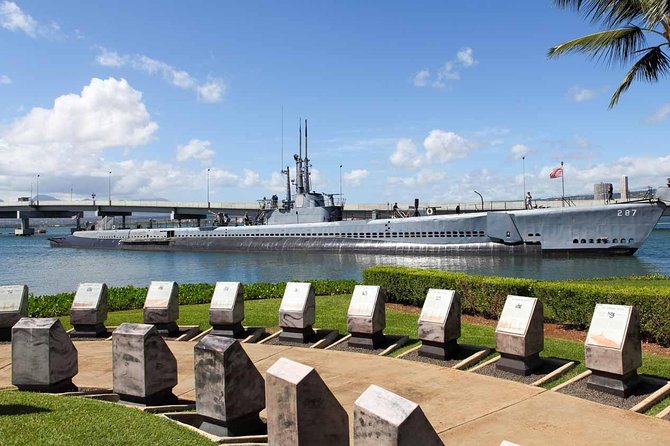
pixel 566 302
pixel 130 297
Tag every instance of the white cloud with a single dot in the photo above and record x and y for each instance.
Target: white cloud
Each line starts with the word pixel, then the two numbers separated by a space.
pixel 355 177
pixel 250 178
pixel 444 146
pixel 449 71
pixel 196 149
pixel 5 80
pixel 421 78
pixel 13 18
pixel 405 154
pixel 580 94
pixel 109 58
pixel 209 91
pixel 659 115
pixel 519 151
pixel 465 57
pixel 70 136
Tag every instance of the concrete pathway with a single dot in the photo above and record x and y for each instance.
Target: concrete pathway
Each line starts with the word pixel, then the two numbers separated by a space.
pixel 464 408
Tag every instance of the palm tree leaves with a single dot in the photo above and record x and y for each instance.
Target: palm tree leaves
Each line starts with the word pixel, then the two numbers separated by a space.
pixel 617 45
pixel 623 44
pixel 648 68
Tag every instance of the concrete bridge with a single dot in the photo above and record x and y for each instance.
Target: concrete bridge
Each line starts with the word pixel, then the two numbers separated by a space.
pixel 104 209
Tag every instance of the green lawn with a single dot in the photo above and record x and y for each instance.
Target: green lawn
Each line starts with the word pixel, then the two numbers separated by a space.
pixel 38 419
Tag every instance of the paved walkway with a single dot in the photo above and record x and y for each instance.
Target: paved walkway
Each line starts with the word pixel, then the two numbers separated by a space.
pixel 464 408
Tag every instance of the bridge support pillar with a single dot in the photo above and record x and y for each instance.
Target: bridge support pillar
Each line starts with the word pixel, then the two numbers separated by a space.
pixel 25 228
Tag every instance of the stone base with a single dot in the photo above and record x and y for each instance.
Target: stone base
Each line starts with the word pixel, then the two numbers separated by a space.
pixel 296 335
pixel 619 385
pixel 438 350
pixel 370 341
pixel 167 329
pixel 250 425
pixel 65 385
pixel 89 331
pixel 229 331
pixel 5 334
pixel 519 365
pixel 162 398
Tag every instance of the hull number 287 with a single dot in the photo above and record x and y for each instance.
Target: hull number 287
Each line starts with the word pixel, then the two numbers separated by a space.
pixel 626 212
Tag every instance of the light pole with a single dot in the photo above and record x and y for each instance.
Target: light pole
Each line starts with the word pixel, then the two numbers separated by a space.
pixel 71 187
pixel 38 189
pixel 480 197
pixel 109 187
pixel 340 183
pixel 208 188
pixel 523 160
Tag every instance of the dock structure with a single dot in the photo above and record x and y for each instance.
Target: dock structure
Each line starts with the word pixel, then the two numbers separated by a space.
pixel 104 210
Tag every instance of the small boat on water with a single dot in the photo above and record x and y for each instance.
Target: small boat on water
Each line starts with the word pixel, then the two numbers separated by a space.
pixel 310 221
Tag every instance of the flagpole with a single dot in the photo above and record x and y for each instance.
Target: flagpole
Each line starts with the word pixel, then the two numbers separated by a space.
pixel 562 185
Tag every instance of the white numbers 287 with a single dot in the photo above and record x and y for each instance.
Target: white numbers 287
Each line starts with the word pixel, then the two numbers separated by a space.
pixel 626 213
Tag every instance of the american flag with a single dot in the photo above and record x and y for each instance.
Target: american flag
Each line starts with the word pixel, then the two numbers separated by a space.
pixel 556 173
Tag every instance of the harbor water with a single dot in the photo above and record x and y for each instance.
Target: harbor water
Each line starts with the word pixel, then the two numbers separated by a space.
pixel 46 270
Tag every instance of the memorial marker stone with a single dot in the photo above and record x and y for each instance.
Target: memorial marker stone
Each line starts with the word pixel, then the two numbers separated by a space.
pixel 382 418
pixel 366 317
pixel 613 349
pixel 144 370
pixel 226 312
pixel 297 312
pixel 229 390
pixel 88 312
pixel 13 306
pixel 301 410
pixel 44 358
pixel 520 335
pixel 161 307
pixel 440 324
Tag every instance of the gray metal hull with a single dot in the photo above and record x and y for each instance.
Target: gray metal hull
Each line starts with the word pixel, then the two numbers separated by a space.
pixel 608 230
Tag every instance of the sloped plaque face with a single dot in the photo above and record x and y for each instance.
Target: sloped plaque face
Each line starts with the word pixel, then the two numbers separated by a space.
pixel 159 294
pixel 608 326
pixel 225 294
pixel 295 296
pixel 87 296
pixel 11 297
pixel 436 306
pixel 363 301
pixel 516 315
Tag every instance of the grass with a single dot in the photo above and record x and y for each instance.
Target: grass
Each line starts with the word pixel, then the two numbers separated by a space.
pixel 39 419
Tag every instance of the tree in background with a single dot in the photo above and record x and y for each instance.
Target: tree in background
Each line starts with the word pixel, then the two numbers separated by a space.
pixel 630 22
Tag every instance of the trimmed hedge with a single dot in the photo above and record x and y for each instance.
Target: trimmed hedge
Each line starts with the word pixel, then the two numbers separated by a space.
pixel 565 302
pixel 130 297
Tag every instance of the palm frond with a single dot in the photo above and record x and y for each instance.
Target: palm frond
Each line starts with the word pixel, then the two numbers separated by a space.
pixel 616 45
pixel 656 11
pixel 649 67
pixel 610 12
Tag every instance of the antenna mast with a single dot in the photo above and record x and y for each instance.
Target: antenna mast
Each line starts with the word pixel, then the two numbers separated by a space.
pixel 307 186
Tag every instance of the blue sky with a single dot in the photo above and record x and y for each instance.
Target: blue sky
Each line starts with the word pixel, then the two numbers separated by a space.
pixel 414 99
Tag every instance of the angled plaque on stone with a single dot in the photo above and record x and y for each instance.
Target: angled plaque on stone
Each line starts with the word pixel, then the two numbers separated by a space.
pixel 161 307
pixel 297 312
pixel 366 317
pixel 613 349
pixel 229 390
pixel 226 312
pixel 144 370
pixel 88 312
pixel 440 324
pixel 44 358
pixel 13 306
pixel 520 335
pixel 384 418
pixel 301 409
